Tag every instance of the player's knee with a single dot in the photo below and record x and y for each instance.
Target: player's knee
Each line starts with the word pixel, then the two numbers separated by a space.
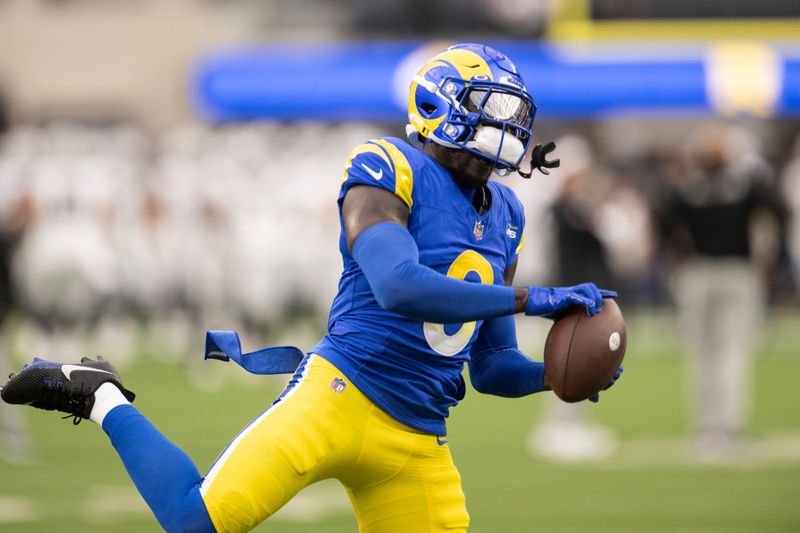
pixel 188 516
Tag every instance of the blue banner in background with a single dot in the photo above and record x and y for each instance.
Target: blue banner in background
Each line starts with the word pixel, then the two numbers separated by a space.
pixel 368 81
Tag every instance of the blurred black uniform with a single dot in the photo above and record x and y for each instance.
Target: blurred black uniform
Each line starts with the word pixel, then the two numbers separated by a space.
pixel 710 215
pixel 580 254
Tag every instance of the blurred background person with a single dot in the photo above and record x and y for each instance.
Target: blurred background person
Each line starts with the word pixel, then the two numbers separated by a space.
pixel 790 191
pixel 15 444
pixel 567 431
pixel 708 224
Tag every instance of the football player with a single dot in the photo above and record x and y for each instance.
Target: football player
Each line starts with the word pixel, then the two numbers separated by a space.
pixel 430 245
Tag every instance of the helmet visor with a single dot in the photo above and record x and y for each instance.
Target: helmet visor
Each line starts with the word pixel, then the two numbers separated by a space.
pixel 500 106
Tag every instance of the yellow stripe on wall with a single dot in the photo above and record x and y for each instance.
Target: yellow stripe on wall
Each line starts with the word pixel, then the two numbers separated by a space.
pixel 674 29
pixel 743 77
pixel 571 20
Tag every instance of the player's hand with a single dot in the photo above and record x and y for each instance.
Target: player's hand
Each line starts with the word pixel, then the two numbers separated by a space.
pixel 596 397
pixel 549 301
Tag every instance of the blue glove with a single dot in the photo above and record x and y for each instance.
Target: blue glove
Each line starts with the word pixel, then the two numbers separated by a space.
pixel 596 397
pixel 549 301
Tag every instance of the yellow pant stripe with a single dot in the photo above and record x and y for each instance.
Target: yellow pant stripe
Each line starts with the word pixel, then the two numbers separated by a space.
pixel 220 462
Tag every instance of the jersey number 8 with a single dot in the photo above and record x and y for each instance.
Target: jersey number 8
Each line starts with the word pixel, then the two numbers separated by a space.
pixel 438 339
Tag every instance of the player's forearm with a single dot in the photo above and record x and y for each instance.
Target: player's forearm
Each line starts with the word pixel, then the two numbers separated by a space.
pixel 496 365
pixel 423 294
pixel 508 373
pixel 388 256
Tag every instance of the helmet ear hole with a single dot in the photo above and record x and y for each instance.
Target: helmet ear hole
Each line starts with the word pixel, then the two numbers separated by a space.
pixel 427 108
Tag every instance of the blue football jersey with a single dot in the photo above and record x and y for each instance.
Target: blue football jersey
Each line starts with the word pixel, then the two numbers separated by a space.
pixel 412 369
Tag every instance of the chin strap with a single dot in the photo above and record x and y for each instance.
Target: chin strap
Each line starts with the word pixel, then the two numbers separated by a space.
pixel 413 137
pixel 539 160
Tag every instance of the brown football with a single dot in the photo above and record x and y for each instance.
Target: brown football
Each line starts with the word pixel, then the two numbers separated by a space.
pixel 582 353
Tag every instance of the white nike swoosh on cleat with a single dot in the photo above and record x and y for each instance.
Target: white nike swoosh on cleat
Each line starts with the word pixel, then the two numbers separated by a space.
pixel 377 174
pixel 69 369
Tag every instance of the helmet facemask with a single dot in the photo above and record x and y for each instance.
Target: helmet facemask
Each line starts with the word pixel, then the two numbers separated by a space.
pixel 491 120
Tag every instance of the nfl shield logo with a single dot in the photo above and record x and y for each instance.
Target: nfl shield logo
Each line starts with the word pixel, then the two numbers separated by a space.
pixel 338 385
pixel 478 230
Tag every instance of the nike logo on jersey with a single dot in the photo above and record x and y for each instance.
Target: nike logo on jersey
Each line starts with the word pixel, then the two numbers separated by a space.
pixel 377 174
pixel 440 441
pixel 67 370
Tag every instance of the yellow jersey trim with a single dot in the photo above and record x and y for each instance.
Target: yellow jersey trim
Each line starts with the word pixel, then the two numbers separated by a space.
pixel 520 246
pixel 367 147
pixel 403 175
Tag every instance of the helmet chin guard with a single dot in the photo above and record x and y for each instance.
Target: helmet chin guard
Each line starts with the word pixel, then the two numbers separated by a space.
pixel 497 145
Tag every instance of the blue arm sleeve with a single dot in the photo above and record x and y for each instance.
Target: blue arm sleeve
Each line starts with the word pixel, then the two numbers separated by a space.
pixel 497 366
pixel 389 258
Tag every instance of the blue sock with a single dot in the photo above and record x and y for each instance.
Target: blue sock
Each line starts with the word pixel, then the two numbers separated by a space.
pixel 165 476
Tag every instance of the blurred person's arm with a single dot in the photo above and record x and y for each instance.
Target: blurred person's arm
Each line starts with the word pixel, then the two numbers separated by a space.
pixel 769 221
pixel 766 198
pixel 672 227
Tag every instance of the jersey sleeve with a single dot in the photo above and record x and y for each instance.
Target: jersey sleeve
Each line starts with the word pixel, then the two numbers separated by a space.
pixel 379 163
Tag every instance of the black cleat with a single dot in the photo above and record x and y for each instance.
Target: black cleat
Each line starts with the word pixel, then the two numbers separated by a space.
pixel 61 387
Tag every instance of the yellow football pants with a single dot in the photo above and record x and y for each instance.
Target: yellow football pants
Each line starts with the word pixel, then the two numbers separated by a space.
pixel 399 480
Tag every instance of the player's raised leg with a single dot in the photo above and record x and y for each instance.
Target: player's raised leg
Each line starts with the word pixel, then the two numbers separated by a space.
pixel 165 476
pixel 405 481
pixel 313 431
pixel 308 434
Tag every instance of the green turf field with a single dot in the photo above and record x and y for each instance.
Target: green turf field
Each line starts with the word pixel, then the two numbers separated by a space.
pixel 652 483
